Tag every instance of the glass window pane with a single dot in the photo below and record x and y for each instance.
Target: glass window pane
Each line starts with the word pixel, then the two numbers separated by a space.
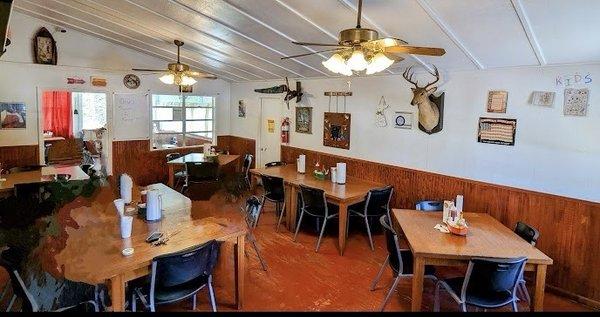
pixel 167 141
pixel 199 101
pixel 198 126
pixel 167 100
pixel 92 109
pixel 162 114
pixel 198 113
pixel 167 126
pixel 197 138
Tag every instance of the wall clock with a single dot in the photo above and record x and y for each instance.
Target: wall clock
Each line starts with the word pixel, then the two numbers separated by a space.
pixel 131 81
pixel 44 48
pixel 403 120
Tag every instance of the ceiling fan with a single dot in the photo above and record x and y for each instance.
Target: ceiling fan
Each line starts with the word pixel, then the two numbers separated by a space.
pixel 178 73
pixel 361 49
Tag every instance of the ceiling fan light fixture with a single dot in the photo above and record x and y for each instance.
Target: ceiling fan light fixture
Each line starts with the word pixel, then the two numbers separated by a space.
pixel 168 79
pixel 337 64
pixel 378 63
pixel 357 61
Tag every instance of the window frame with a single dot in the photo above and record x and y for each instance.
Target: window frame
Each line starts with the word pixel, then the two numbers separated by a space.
pixel 183 120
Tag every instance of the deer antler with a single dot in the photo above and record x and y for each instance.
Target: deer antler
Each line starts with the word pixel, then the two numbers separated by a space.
pixel 408 75
pixel 437 78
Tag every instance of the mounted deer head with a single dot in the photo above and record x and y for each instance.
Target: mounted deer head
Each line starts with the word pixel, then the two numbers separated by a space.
pixel 429 112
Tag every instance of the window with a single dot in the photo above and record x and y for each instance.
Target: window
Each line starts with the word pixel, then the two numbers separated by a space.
pixel 179 121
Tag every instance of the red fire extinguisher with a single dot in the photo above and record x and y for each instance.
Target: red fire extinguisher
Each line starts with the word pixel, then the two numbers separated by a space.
pixel 285 130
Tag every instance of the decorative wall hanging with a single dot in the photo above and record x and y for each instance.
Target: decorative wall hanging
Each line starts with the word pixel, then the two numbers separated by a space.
pixel 75 81
pixel 403 120
pixel 497 101
pixel 380 118
pixel 304 120
pixel 336 130
pixel 572 79
pixel 44 48
pixel 431 108
pixel 98 81
pixel 13 115
pixel 131 81
pixel 497 131
pixel 576 102
pixel 241 109
pixel 337 94
pixel 543 98
pixel 271 125
pixel 290 94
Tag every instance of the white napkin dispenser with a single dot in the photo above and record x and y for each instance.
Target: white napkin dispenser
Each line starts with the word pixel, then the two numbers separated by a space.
pixel 301 164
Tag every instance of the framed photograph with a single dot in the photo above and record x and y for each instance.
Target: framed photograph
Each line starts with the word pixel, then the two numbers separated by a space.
pixel 44 48
pixel 576 102
pixel 336 130
pixel 497 131
pixel 497 100
pixel 403 120
pixel 304 120
pixel 13 115
pixel 543 98
pixel 241 109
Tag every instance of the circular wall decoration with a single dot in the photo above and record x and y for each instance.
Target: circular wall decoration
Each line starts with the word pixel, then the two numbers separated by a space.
pixel 131 81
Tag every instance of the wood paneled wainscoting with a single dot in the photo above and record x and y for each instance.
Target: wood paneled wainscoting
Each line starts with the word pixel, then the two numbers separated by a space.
pixel 147 167
pixel 17 156
pixel 568 227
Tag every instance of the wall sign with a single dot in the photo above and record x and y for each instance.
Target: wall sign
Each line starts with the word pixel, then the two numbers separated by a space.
pixel 336 130
pixel 543 98
pixel 403 120
pixel 271 125
pixel 497 131
pixel 497 101
pixel 131 81
pixel 304 120
pixel 576 102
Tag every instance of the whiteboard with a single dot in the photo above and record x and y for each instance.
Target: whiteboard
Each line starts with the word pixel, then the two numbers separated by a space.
pixel 131 113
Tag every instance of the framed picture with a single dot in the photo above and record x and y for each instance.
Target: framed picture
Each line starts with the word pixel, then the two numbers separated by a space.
pixel 44 48
pixel 497 101
pixel 336 130
pixel 13 115
pixel 497 131
pixel 543 98
pixel 241 109
pixel 304 120
pixel 576 102
pixel 186 89
pixel 403 120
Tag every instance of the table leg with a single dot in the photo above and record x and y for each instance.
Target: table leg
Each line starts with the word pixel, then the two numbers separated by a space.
pixel 293 208
pixel 117 293
pixel 343 219
pixel 171 175
pixel 239 272
pixel 417 283
pixel 537 298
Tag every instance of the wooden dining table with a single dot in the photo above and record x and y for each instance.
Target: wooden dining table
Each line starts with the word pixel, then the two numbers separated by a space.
pixel 92 253
pixel 42 175
pixel 354 191
pixel 223 159
pixel 486 238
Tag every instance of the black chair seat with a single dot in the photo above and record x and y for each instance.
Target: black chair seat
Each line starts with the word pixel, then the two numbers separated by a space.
pixel 491 300
pixel 374 212
pixel 169 294
pixel 407 264
pixel 309 210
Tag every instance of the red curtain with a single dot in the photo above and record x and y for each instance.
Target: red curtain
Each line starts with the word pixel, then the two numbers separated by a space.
pixel 58 113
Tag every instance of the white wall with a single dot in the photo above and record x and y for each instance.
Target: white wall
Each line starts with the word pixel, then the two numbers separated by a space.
pixel 553 153
pixel 81 56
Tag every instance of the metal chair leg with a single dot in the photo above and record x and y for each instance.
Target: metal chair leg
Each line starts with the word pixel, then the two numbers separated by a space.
pixel 436 298
pixel 514 306
pixel 262 206
pixel 133 302
pixel 463 307
pixel 4 291
pixel 262 262
pixel 321 234
pixel 376 280
pixel 11 303
pixel 211 293
pixel 525 292
pixel 298 224
pixel 281 217
pixel 389 293
pixel 369 233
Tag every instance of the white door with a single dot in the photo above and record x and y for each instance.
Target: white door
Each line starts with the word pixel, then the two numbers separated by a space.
pixel 269 143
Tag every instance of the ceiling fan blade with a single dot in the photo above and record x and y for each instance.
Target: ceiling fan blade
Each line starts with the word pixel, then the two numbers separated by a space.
pixel 316 44
pixel 307 54
pixel 394 57
pixel 200 74
pixel 153 73
pixel 431 51
pixel 149 70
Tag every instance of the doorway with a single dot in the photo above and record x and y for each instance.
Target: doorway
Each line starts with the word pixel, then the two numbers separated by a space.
pixel 269 142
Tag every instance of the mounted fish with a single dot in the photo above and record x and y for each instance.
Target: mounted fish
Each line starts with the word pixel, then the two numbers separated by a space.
pixel 290 94
pixel 431 108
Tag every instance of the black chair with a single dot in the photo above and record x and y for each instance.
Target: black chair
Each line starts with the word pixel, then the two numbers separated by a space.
pixel 489 283
pixel 179 175
pixel 202 180
pixel 10 259
pixel 531 235
pixel 274 192
pixel 178 276
pixel 314 203
pixel 376 205
pixel 399 260
pixel 273 164
pixel 246 168
pixel 250 214
pixel 430 205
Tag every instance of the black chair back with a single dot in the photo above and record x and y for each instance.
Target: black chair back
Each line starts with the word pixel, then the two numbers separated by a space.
pixel 430 205
pixel 273 187
pixel 172 156
pixel 392 244
pixel 492 276
pixel 202 171
pixel 313 201
pixel 378 200
pixel 272 164
pixel 247 163
pixel 528 233
pixel 28 303
pixel 178 268
pixel 252 210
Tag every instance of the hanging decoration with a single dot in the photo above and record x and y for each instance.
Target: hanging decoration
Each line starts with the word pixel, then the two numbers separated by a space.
pixel 44 48
pixel 431 108
pixel 380 118
pixel 289 94
pixel 336 130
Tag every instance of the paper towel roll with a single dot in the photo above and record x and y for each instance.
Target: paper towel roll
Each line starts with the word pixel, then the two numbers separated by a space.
pixel 341 173
pixel 126 187
pixel 206 147
pixel 301 164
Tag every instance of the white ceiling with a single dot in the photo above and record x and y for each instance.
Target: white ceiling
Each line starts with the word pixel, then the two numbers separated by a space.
pixel 242 40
